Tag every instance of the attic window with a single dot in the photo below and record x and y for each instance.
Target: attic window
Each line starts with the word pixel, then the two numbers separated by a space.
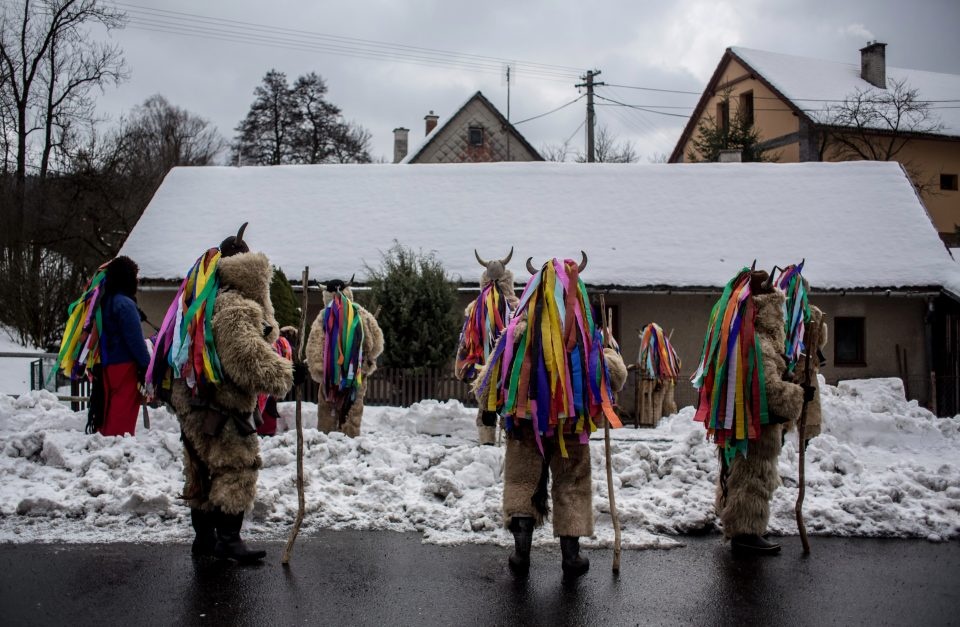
pixel 723 116
pixel 948 182
pixel 746 107
pixel 475 136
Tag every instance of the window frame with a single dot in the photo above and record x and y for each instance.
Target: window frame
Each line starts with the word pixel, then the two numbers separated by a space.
pixel 746 107
pixel 470 135
pixel 952 184
pixel 860 360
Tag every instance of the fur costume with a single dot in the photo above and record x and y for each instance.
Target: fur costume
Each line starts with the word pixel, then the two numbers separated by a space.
pixel 814 415
pixel 476 344
pixel 222 454
pixel 327 418
pixel 543 451
pixel 745 488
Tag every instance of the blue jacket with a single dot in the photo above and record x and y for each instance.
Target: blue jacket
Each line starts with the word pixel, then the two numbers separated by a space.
pixel 122 339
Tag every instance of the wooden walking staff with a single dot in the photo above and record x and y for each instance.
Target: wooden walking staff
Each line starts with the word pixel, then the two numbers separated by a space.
pixel 606 447
pixel 810 342
pixel 298 394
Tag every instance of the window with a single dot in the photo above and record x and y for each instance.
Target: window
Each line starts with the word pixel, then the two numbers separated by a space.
pixel 849 345
pixel 476 136
pixel 746 107
pixel 948 182
pixel 723 116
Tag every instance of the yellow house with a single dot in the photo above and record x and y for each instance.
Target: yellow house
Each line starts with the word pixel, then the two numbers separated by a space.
pixel 813 110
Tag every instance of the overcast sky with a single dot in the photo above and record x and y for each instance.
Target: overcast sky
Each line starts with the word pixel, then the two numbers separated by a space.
pixel 670 45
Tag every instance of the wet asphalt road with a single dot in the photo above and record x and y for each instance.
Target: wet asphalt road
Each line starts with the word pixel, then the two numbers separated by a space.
pixel 383 578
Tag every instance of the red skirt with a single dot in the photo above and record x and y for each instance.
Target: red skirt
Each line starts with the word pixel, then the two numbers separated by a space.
pixel 122 400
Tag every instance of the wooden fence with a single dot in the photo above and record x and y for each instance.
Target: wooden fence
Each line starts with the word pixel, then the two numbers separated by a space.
pixel 402 387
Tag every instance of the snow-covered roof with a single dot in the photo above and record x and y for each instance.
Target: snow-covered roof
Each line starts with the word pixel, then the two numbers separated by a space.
pixel 814 85
pixel 858 224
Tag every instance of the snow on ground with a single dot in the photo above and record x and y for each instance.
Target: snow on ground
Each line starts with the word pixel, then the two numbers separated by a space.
pixel 883 467
pixel 14 371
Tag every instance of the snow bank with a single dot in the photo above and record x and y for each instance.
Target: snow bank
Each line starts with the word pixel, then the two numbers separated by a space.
pixel 883 467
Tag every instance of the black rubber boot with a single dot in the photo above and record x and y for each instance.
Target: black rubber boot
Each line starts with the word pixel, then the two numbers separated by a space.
pixel 522 529
pixel 229 545
pixel 203 525
pixel 750 543
pixel 574 564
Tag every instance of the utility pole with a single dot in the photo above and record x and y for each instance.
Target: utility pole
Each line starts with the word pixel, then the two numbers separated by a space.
pixel 591 118
pixel 508 113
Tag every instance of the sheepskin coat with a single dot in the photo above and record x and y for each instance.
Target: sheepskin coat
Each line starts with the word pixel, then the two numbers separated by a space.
pixel 743 496
pixel 221 469
pixel 327 419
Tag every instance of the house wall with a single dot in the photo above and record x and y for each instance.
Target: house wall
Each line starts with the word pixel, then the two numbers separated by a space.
pixel 773 118
pixel 889 322
pixel 452 143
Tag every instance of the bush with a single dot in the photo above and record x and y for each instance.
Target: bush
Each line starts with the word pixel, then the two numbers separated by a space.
pixel 285 307
pixel 418 309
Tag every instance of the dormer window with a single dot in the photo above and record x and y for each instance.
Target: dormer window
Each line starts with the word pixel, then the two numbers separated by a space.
pixel 475 136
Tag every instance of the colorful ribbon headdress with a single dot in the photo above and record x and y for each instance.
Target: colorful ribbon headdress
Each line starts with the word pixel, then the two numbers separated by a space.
pixel 342 350
pixel 551 371
pixel 485 320
pixel 80 346
pixel 658 359
pixel 796 311
pixel 730 377
pixel 184 347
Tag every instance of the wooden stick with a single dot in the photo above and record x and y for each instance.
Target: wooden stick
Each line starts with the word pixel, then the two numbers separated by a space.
pixel 811 345
pixel 146 417
pixel 606 446
pixel 301 352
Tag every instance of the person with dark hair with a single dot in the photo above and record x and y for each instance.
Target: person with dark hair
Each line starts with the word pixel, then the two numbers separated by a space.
pixel 124 355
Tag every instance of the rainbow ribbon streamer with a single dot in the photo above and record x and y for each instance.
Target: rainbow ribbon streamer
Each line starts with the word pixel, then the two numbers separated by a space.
pixel 553 372
pixel 80 346
pixel 342 350
pixel 796 312
pixel 184 347
pixel 730 377
pixel 658 359
pixel 484 322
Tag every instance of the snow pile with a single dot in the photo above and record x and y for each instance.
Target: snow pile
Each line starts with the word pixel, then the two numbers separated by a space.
pixel 883 467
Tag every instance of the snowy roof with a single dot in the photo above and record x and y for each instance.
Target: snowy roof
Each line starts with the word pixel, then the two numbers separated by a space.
pixel 690 225
pixel 809 82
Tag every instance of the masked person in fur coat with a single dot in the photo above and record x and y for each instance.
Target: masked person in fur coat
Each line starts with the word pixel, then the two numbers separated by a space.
pixel 554 384
pixel 814 420
pixel 748 429
pixel 211 375
pixel 345 341
pixel 483 321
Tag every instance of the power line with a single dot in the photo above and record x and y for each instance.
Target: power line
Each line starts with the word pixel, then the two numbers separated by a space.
pixel 577 130
pixel 160 20
pixel 563 106
pixel 639 108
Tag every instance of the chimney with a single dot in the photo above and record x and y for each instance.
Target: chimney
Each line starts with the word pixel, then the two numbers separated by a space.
pixel 730 155
pixel 431 121
pixel 400 143
pixel 873 64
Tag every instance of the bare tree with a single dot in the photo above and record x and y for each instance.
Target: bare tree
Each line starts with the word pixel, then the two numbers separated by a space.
pixel 608 149
pixel 555 152
pixel 876 125
pixel 49 67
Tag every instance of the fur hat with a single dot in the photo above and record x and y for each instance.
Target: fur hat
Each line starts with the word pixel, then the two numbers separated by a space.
pixel 122 277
